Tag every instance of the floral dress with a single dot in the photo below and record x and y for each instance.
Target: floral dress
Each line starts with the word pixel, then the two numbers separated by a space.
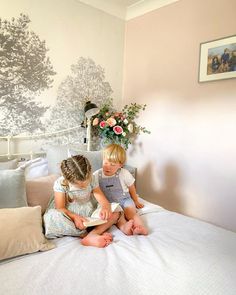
pixel 79 201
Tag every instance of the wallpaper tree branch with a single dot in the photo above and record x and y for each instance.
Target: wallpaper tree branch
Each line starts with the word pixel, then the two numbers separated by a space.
pixel 25 71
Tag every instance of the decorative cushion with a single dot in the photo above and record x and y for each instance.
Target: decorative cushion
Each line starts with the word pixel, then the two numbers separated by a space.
pixel 94 157
pixel 21 232
pixel 11 164
pixel 12 188
pixel 40 190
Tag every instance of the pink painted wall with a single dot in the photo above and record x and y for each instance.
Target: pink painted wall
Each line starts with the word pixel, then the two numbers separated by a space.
pixel 188 163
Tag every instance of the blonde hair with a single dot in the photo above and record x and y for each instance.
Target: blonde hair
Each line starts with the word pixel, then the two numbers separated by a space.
pixel 76 168
pixel 114 153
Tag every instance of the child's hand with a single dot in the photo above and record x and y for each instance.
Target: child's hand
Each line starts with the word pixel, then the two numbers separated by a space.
pixel 78 221
pixel 105 212
pixel 138 204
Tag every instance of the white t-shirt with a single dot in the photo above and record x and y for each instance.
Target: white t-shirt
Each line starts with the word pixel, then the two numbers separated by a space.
pixel 126 178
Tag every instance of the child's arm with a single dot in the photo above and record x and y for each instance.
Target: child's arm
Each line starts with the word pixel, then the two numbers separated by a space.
pixel 60 204
pixel 134 196
pixel 102 200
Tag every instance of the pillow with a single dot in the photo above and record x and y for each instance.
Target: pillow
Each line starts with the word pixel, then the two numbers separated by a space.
pixel 40 190
pixel 94 157
pixel 21 232
pixel 12 188
pixel 35 168
pixel 55 154
pixel 11 164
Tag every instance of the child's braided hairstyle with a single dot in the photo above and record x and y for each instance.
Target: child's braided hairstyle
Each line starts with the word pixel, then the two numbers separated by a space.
pixel 76 168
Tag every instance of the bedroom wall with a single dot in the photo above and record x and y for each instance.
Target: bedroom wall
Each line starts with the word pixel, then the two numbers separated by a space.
pixel 71 30
pixel 187 164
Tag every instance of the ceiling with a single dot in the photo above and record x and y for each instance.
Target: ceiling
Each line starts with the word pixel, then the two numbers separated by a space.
pixel 127 9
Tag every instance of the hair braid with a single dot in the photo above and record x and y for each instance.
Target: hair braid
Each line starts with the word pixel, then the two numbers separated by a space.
pixel 76 168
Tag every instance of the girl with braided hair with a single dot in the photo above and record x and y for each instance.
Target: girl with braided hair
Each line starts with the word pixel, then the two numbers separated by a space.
pixel 73 202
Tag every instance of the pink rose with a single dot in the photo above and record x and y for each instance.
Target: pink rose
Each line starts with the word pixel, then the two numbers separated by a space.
pixel 117 114
pixel 103 124
pixel 95 122
pixel 111 122
pixel 118 129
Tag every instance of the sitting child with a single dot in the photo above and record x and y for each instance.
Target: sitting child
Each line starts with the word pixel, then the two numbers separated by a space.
pixel 72 203
pixel 117 184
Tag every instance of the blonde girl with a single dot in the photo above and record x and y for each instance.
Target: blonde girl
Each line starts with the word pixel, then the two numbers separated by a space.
pixel 73 202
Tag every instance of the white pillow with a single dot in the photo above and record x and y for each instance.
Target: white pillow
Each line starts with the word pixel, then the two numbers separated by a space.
pixel 94 157
pixel 55 155
pixel 35 168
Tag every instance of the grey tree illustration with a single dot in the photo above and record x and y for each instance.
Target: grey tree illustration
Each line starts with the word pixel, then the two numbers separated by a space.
pixel 25 71
pixel 86 83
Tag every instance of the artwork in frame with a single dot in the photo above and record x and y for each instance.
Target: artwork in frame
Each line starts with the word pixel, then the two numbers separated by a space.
pixel 218 59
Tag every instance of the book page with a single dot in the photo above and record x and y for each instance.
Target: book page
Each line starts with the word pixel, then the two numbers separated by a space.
pixel 93 221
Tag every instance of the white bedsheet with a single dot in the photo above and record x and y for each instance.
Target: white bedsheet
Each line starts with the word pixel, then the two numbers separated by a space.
pixel 180 256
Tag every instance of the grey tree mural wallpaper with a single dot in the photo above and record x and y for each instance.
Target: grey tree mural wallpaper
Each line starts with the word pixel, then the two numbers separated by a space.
pixel 26 71
pixel 86 82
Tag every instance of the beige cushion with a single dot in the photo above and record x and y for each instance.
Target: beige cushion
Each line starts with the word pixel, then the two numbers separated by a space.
pixel 21 232
pixel 40 190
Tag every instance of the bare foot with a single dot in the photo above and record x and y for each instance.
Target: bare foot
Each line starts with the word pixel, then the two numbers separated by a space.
pixel 96 240
pixel 140 230
pixel 108 236
pixel 127 228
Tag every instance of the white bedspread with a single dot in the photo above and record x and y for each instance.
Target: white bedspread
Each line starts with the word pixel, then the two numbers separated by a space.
pixel 181 256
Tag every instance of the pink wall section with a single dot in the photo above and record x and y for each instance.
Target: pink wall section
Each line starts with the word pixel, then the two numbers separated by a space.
pixel 188 163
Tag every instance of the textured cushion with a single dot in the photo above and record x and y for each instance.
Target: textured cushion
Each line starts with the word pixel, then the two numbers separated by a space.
pixel 21 232
pixel 12 164
pixel 12 188
pixel 40 190
pixel 94 157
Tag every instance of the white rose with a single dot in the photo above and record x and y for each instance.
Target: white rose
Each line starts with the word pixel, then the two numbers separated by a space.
pixel 130 128
pixel 124 134
pixel 125 121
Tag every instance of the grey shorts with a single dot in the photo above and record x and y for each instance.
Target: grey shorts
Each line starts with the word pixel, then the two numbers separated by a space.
pixel 127 202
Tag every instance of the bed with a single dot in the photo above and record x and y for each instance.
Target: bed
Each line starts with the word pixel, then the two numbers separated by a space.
pixel 180 256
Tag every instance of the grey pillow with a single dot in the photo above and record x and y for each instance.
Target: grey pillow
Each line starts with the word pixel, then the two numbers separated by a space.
pixel 11 164
pixel 94 157
pixel 12 188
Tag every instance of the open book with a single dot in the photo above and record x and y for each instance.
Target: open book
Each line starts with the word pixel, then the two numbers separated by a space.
pixel 95 219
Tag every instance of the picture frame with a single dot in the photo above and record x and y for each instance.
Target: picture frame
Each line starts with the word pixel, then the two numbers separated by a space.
pixel 217 59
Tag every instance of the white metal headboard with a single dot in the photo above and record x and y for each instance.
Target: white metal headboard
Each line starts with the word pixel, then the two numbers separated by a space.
pixel 10 138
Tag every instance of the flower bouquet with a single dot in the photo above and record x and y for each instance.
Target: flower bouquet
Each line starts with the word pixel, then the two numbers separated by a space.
pixel 118 127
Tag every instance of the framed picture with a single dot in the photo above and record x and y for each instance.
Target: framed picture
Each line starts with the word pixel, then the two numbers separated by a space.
pixel 218 59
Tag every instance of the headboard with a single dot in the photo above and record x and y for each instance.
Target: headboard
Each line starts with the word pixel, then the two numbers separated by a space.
pixel 11 139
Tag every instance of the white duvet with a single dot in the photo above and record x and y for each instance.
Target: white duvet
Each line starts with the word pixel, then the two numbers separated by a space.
pixel 180 256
